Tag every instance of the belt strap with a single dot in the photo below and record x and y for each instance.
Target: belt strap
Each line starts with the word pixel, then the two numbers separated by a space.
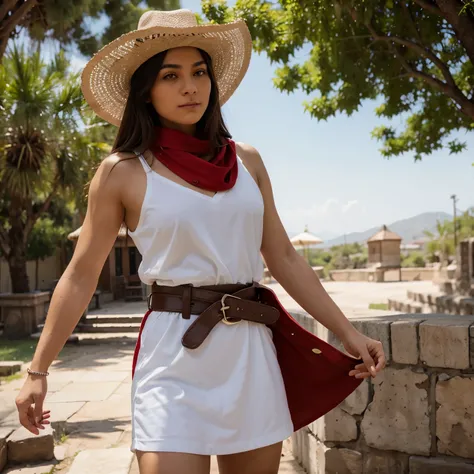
pixel 227 303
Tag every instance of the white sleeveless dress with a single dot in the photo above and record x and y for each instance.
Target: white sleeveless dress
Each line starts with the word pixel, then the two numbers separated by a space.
pixel 226 396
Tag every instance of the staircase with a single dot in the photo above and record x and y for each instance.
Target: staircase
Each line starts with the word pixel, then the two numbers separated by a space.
pixel 433 303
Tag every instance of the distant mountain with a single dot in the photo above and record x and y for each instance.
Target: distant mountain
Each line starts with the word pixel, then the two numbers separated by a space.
pixel 408 229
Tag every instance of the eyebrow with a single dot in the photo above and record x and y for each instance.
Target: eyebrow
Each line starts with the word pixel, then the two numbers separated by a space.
pixel 178 66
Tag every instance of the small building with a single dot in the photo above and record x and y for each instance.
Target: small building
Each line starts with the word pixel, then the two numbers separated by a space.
pixel 384 251
pixel 119 275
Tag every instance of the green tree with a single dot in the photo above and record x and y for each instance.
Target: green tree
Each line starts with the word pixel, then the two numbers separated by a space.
pixel 46 152
pixel 416 56
pixel 43 242
pixel 69 21
pixel 441 242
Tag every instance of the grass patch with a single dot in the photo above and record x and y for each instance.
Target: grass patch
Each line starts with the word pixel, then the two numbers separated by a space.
pixel 22 349
pixel 11 378
pixel 379 306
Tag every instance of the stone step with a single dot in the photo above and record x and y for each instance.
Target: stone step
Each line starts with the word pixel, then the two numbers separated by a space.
pixel 9 367
pixel 112 319
pixel 108 328
pixel 97 337
pixel 107 461
pixel 405 306
pixel 25 447
pixel 102 328
pixel 442 303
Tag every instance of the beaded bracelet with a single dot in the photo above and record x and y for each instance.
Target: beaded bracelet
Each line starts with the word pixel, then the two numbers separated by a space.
pixel 34 372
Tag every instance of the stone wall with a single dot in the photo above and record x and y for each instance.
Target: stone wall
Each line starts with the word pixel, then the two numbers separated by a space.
pixel 365 274
pixel 415 417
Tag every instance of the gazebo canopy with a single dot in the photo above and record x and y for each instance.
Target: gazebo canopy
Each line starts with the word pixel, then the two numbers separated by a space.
pixel 385 234
pixel 305 238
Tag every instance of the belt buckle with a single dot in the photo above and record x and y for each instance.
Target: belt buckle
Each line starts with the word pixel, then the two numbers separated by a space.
pixel 149 301
pixel 224 308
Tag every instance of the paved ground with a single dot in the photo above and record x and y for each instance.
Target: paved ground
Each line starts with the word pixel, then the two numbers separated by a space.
pixel 89 387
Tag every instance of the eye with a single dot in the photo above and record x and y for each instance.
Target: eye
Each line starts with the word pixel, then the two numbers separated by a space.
pixel 201 72
pixel 170 75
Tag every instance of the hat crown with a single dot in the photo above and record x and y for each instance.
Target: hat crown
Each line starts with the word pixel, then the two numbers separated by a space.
pixel 167 19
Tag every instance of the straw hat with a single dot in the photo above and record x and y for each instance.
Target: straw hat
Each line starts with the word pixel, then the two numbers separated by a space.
pixel 106 77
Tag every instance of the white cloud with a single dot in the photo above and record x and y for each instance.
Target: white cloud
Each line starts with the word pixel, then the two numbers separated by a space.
pixel 349 205
pixel 331 215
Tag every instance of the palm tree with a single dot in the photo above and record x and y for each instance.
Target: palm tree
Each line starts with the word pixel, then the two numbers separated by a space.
pixel 442 242
pixel 45 150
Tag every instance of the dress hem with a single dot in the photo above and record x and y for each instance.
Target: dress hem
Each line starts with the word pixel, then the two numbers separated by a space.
pixel 180 445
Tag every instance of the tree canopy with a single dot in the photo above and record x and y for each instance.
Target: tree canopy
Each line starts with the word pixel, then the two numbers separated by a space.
pixel 69 21
pixel 416 56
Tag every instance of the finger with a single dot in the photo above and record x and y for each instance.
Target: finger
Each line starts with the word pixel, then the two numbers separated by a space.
pixel 25 421
pixel 368 362
pixel 358 373
pixel 32 418
pixel 38 411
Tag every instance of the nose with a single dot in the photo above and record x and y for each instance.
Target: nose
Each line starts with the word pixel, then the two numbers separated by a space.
pixel 189 87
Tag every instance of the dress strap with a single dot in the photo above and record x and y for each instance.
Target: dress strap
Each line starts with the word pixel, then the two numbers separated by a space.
pixel 144 163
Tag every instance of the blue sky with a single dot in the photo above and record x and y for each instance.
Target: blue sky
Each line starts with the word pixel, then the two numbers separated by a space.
pixel 330 175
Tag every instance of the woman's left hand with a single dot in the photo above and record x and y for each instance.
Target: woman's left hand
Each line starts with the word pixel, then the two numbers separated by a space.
pixel 369 350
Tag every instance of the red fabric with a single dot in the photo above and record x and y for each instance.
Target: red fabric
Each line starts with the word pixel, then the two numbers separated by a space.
pixel 181 153
pixel 314 383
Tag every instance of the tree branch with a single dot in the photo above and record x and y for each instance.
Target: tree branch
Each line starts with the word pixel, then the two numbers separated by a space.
pixel 428 6
pixel 463 24
pixel 3 243
pixel 31 222
pixel 12 22
pixel 448 88
pixel 6 7
pixel 421 50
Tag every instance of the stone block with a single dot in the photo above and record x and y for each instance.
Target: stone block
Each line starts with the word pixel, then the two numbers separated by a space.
pixel 398 417
pixel 385 463
pixel 455 416
pixel 110 461
pixel 312 465
pixel 421 465
pixel 404 336
pixel 343 461
pixel 4 433
pixel 378 329
pixel 357 401
pixel 336 425
pixel 471 330
pixel 25 447
pixel 445 343
pixel 9 367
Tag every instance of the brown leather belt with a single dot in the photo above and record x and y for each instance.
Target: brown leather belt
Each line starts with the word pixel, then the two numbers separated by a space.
pixel 227 303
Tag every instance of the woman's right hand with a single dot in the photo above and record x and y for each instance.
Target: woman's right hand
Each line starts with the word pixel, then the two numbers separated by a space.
pixel 33 392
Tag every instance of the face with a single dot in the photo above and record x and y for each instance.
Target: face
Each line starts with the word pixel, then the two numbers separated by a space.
pixel 181 91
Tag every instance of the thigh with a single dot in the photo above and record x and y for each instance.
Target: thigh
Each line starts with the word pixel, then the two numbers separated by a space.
pixel 171 463
pixel 264 460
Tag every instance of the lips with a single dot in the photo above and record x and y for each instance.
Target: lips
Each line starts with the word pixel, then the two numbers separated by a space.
pixel 190 105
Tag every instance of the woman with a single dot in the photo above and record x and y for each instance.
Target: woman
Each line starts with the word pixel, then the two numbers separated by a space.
pixel 200 209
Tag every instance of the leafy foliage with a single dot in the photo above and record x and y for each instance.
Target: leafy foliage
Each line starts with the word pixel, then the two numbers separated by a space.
pixel 72 21
pixel 417 57
pixel 46 150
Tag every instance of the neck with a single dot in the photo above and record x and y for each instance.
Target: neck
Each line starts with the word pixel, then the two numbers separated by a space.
pixel 187 129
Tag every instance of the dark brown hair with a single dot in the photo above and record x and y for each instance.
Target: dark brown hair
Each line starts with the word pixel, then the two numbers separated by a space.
pixel 136 132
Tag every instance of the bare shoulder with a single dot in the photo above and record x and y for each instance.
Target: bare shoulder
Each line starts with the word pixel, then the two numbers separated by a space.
pixel 251 159
pixel 116 169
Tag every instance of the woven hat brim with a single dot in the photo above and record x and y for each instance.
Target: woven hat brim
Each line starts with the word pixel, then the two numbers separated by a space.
pixel 106 77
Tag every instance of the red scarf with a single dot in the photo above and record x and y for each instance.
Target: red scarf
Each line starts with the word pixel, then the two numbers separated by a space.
pixel 181 153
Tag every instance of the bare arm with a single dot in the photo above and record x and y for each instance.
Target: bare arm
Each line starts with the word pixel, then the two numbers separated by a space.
pixel 79 281
pixel 301 282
